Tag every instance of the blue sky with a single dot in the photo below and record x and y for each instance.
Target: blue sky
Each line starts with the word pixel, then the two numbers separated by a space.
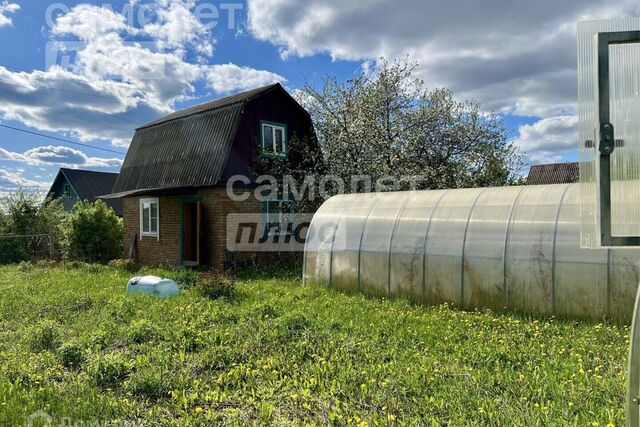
pixel 91 72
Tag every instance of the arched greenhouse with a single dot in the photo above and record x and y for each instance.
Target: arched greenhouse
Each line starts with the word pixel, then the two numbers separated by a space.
pixel 515 248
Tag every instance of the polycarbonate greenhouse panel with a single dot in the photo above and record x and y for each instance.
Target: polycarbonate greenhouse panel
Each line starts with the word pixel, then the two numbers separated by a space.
pixel 485 245
pixel 624 272
pixel 510 247
pixel 624 106
pixel 580 284
pixel 345 260
pixel 529 257
pixel 445 242
pixel 376 242
pixel 318 249
pixel 624 69
pixel 408 245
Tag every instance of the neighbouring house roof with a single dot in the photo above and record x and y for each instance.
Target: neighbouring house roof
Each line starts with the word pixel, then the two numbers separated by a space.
pixel 557 173
pixel 188 148
pixel 88 185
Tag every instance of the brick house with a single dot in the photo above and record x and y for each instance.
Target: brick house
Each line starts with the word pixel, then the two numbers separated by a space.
pixel 173 180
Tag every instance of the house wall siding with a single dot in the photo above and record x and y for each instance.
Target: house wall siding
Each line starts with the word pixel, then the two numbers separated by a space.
pixel 215 206
pixel 57 192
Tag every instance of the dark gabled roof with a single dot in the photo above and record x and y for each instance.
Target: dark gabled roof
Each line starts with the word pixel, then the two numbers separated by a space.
pixel 88 185
pixel 188 148
pixel 557 173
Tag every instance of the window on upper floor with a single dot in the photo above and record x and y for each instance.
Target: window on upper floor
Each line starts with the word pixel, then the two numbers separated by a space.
pixel 67 191
pixel 149 218
pixel 274 139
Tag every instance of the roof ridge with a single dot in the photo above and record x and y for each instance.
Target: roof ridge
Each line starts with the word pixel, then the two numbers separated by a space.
pixel 160 121
pixel 202 108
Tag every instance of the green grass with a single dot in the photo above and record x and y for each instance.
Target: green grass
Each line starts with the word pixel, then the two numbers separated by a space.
pixel 74 345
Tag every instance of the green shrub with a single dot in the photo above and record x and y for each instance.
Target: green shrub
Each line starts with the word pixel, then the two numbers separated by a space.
pixel 110 370
pixel 215 285
pixel 44 336
pixel 93 233
pixel 128 265
pixel 186 278
pixel 142 331
pixel 71 355
pixel 23 213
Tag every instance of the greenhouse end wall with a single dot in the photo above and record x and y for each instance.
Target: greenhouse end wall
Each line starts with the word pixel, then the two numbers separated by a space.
pixel 506 248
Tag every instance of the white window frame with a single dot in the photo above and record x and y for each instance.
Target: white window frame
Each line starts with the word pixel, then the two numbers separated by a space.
pixel 150 201
pixel 69 194
pixel 275 127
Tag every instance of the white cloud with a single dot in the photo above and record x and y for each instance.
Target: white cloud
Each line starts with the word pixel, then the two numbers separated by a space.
pixel 513 56
pixel 11 180
pixel 59 156
pixel 547 140
pixel 227 78
pixel 177 27
pixel 6 9
pixel 115 85
pixel 89 22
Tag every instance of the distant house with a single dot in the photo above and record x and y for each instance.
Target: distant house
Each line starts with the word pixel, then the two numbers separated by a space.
pixel 173 179
pixel 556 173
pixel 74 185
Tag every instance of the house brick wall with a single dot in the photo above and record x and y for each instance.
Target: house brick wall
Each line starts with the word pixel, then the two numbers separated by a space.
pixel 150 250
pixel 215 206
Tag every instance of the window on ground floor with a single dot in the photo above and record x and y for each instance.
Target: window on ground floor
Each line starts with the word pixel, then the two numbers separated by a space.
pixel 149 218
pixel 277 216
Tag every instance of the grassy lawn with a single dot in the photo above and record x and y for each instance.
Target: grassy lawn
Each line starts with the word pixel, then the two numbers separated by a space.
pixel 73 344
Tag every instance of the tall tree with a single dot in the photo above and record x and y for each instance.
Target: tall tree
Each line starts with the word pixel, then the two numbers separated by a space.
pixel 385 124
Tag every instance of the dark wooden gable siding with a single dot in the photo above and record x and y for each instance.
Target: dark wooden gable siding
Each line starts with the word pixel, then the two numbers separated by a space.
pixel 276 106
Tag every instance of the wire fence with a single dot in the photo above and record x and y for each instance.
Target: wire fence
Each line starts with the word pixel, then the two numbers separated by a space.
pixel 28 247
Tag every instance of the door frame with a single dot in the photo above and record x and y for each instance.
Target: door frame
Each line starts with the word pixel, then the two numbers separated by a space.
pixel 607 143
pixel 184 200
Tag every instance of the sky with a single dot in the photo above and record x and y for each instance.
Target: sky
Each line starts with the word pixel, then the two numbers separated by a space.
pixel 88 73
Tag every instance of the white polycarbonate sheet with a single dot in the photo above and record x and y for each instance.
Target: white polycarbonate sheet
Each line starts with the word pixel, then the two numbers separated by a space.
pixel 345 258
pixel 624 87
pixel 530 249
pixel 443 266
pixel 319 241
pixel 376 242
pixel 624 102
pixel 485 247
pixel 625 276
pixel 408 245
pixel 580 276
pixel 546 270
